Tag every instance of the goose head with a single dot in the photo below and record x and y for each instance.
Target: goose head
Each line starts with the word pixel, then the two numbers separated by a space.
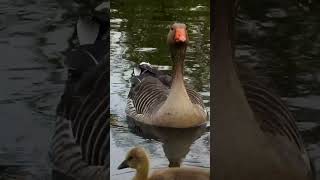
pixel 137 159
pixel 177 41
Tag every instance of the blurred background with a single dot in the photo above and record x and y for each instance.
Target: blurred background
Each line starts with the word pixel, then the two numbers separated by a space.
pixel 35 36
pixel 281 41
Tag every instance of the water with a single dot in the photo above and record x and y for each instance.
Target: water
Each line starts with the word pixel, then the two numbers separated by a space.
pixel 138 33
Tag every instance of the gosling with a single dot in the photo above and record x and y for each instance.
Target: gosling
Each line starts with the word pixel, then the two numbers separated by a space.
pixel 137 158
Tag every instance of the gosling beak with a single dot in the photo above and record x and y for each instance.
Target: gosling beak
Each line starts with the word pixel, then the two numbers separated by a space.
pixel 123 165
pixel 174 164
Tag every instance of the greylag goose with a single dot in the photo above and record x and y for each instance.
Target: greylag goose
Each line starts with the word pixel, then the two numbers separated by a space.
pixel 255 134
pixel 138 159
pixel 159 100
pixel 80 143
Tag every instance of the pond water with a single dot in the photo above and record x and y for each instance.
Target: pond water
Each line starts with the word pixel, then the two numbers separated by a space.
pixel 138 34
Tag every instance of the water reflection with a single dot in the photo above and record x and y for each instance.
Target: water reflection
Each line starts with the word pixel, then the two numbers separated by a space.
pixel 175 142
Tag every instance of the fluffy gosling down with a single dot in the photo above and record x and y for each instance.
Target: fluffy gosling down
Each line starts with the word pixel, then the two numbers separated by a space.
pixel 137 158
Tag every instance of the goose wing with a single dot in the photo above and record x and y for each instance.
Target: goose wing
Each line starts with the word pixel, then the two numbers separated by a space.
pixel 80 141
pixel 145 70
pixel 150 89
pixel 275 118
pixel 273 114
pixel 270 111
pixel 148 95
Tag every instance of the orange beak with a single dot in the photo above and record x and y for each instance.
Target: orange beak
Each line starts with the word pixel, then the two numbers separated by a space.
pixel 180 35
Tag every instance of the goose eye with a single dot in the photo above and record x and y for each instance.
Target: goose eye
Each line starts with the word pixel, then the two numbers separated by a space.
pixel 130 158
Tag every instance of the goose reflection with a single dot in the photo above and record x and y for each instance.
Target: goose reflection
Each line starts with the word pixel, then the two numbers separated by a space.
pixel 176 142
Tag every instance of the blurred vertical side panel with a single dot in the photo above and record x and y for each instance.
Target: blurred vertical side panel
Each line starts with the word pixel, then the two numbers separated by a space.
pixel 264 113
pixel 80 143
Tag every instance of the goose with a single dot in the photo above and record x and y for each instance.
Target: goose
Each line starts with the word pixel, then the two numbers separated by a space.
pixel 79 146
pixel 255 134
pixel 161 100
pixel 137 158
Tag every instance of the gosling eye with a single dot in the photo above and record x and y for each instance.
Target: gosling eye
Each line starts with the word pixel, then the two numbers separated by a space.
pixel 130 158
pixel 171 28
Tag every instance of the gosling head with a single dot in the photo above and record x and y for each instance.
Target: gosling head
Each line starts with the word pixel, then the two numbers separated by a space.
pixel 178 35
pixel 136 158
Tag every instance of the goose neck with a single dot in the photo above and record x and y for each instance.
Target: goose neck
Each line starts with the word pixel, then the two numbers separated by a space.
pixel 178 67
pixel 143 170
pixel 237 131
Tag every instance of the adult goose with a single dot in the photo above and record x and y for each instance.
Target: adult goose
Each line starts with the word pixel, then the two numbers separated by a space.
pixel 255 134
pixel 138 159
pixel 161 100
